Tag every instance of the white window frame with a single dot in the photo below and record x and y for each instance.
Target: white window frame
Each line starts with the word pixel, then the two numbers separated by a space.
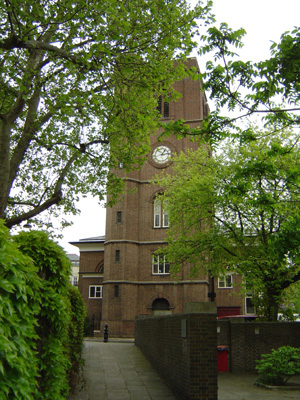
pixel 98 291
pixel 246 309
pixel 161 214
pixel 75 280
pixel 160 265
pixel 225 281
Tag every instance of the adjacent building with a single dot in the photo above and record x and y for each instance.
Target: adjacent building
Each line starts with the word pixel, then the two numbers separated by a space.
pixel 91 274
pixel 74 277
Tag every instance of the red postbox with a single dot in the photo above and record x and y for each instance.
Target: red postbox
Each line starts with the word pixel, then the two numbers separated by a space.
pixel 222 358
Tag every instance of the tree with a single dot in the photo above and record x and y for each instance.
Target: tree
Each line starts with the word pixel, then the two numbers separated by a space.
pixel 268 89
pixel 79 84
pixel 239 211
pixel 291 302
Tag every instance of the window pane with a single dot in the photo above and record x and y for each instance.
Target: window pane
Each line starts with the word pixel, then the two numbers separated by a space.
pixel 166 220
pixel 157 212
pixel 221 282
pixel 167 268
pixel 157 221
pixel 159 104
pixel 166 109
pixel 228 280
pixel 250 309
pixel 92 291
pixel 165 214
pixel 155 264
pixel 161 267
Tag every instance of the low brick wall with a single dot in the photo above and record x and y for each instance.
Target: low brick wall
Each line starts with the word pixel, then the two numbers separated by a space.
pixel 182 349
pixel 247 341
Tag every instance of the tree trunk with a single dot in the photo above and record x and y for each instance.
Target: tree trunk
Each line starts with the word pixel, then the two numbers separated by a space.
pixel 272 304
pixel 4 165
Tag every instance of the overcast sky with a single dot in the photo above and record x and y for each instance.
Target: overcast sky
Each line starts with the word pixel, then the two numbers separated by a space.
pixel 264 21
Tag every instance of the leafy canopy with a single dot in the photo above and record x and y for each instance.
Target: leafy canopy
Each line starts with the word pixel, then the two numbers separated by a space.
pixel 268 89
pixel 79 83
pixel 239 211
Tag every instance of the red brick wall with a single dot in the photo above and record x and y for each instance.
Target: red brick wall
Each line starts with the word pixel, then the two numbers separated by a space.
pixel 247 341
pixel 89 260
pixel 187 364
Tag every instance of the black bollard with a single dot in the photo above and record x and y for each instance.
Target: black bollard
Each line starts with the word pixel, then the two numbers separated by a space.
pixel 105 333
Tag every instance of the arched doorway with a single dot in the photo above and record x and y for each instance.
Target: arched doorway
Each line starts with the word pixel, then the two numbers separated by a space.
pixel 160 306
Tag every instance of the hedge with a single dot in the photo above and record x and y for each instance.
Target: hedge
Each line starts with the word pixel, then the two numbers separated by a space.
pixel 54 270
pixel 41 319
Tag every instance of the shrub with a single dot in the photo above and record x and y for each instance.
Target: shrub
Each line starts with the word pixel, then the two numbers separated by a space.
pixel 53 317
pixel 277 367
pixel 76 335
pixel 88 327
pixel 19 284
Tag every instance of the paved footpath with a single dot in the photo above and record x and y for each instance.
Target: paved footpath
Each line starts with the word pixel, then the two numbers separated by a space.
pixel 119 371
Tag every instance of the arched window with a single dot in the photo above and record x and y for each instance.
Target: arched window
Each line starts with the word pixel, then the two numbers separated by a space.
pixel 160 304
pixel 100 267
pixel 163 107
pixel 161 215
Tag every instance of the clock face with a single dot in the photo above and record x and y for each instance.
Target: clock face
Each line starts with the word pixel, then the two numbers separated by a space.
pixel 162 154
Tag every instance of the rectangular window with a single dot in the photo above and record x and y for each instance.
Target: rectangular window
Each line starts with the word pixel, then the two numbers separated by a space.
pixel 116 290
pixel 75 280
pixel 95 292
pixel 225 281
pixel 119 217
pixel 117 255
pixel 249 306
pixel 160 265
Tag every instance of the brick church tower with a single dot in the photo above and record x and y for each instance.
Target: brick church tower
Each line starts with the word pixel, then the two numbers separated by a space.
pixel 136 281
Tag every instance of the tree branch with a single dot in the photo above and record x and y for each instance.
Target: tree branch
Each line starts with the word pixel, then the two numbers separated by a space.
pixel 55 198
